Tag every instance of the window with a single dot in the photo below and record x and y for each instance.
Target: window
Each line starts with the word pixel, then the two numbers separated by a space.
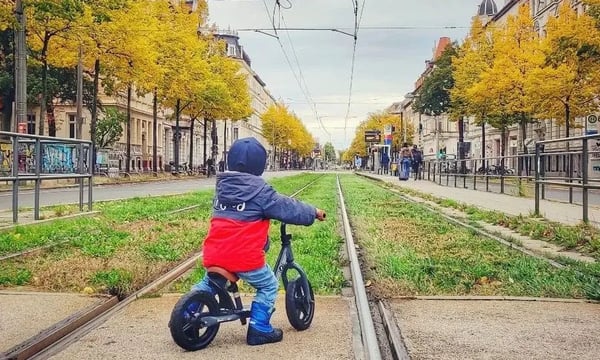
pixel 231 50
pixel 235 133
pixel 72 124
pixel 31 124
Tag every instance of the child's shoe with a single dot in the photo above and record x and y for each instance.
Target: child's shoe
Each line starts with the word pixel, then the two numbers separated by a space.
pixel 260 330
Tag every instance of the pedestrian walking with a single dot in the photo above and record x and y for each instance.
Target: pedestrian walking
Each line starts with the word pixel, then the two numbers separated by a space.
pixel 417 160
pixel 404 161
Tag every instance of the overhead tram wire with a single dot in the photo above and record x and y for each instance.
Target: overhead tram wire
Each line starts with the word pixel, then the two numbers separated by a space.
pixel 312 102
pixel 298 81
pixel 356 28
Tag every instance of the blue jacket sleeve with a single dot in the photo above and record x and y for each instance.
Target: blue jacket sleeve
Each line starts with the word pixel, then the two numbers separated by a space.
pixel 286 209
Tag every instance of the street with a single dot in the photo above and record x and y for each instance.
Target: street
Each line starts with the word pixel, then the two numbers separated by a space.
pixel 70 195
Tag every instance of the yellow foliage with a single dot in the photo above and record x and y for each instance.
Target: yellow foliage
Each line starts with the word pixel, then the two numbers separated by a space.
pixel 567 85
pixel 377 121
pixel 283 129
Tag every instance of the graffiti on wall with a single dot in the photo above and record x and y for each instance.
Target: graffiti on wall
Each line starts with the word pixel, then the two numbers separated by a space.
pixel 62 158
pixel 5 159
pixel 55 158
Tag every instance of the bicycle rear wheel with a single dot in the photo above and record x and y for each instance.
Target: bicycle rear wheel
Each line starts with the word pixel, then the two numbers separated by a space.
pixel 186 325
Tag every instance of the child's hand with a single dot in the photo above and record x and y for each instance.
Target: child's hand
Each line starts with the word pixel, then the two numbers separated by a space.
pixel 320 215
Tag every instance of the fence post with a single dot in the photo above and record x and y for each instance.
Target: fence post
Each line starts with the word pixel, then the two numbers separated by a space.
pixel 91 163
pixel 585 175
pixel 475 168
pixel 537 179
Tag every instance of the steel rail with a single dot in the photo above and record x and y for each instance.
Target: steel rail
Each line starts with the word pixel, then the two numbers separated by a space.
pixel 369 336
pixel 59 336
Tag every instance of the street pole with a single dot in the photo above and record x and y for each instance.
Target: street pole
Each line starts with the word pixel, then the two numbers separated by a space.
pixel 437 148
pixel 420 130
pixel 20 71
pixel 79 96
pixel 403 127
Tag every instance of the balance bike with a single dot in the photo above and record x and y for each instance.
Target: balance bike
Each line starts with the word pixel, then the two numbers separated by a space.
pixel 196 317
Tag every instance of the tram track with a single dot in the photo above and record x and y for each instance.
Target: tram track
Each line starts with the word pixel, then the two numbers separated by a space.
pixel 57 337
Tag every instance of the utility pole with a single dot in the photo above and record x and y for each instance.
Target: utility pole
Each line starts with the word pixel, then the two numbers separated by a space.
pixel 20 123
pixel 79 96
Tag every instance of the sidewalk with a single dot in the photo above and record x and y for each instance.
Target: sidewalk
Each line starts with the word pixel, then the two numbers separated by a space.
pixel 554 211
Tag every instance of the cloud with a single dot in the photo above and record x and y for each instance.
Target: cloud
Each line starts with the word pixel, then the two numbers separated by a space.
pixel 387 63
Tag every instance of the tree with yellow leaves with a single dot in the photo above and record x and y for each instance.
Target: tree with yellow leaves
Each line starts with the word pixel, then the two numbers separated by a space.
pixel 503 86
pixel 567 85
pixel 474 57
pixel 377 121
pixel 283 129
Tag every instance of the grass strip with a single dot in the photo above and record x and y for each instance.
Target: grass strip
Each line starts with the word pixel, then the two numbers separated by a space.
pixel 125 246
pixel 583 238
pixel 412 251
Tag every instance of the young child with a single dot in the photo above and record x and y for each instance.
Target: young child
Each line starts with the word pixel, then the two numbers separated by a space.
pixel 239 228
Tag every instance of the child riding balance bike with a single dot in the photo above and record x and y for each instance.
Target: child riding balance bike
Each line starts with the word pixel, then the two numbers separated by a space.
pixel 235 248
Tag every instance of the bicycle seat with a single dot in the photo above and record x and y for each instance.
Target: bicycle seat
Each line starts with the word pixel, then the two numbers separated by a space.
pixel 233 278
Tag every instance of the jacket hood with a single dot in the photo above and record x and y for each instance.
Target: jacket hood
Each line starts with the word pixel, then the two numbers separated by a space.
pixel 236 187
pixel 247 155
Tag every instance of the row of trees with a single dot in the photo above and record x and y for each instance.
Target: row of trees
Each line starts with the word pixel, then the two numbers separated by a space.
pixel 127 48
pixel 378 121
pixel 505 75
pixel 283 129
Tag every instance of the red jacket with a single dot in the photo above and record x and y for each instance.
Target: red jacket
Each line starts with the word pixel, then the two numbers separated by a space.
pixel 239 227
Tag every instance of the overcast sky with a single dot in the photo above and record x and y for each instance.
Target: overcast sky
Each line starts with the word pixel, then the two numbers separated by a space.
pixel 387 64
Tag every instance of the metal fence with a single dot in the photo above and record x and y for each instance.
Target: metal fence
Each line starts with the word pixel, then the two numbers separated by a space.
pixel 36 158
pixel 566 165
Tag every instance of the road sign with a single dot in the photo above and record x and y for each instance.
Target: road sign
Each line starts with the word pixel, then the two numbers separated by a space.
pixel 591 124
pixel 372 136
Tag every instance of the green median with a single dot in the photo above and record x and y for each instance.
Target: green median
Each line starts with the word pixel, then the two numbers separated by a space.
pixel 412 251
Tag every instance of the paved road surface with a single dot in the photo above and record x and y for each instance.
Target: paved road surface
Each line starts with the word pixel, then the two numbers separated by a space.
pixel 113 192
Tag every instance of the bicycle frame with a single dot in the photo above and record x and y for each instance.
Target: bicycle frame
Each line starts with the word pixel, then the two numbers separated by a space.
pixel 285 261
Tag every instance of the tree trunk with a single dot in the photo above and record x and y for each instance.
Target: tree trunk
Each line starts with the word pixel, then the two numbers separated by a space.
pixel 155 131
pixel 43 97
pixel 224 140
pixel 177 135
pixel 44 100
pixel 205 126
pixel 94 120
pixel 521 160
pixel 191 161
pixel 483 161
pixel 461 139
pixel 215 141
pixel 128 131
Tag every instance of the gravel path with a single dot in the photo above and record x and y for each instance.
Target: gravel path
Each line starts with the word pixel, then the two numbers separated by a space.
pixel 456 329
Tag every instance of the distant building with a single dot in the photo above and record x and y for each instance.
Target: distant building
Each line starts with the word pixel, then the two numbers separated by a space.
pixel 262 99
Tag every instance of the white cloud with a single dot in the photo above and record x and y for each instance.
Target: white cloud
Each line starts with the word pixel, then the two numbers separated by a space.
pixel 388 62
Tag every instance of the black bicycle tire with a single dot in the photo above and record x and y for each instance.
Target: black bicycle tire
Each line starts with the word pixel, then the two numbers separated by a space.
pixel 176 323
pixel 299 319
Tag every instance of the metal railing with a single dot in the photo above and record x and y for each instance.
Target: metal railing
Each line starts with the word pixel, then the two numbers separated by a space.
pixel 572 181
pixel 568 168
pixel 36 158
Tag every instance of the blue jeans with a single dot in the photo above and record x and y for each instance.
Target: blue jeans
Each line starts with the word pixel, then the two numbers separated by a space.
pixel 263 280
